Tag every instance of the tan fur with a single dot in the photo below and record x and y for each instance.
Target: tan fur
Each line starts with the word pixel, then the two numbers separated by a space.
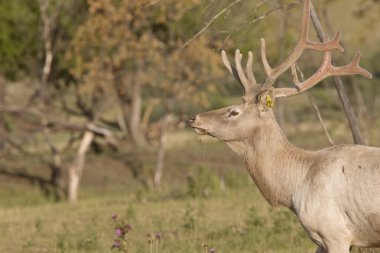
pixel 335 192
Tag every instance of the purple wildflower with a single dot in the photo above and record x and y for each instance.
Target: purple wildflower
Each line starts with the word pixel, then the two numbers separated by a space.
pixel 118 232
pixel 114 217
pixel 127 228
pixel 212 250
pixel 116 244
pixel 158 237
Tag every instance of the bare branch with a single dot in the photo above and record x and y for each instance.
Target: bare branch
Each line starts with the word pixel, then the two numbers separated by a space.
pixel 315 106
pixel 151 3
pixel 209 23
pixel 282 7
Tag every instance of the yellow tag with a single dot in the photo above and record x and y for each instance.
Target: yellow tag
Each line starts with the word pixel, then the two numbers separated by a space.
pixel 269 101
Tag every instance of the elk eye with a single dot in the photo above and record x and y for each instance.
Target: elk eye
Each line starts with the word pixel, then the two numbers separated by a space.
pixel 233 114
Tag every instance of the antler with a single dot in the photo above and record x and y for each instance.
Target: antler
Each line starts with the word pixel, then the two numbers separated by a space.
pixel 248 82
pixel 303 44
pixel 326 69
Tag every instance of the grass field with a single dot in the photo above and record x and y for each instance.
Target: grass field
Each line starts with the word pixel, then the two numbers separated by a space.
pixel 235 221
pixel 190 211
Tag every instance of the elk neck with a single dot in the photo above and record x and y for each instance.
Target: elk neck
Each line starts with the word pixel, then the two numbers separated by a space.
pixel 277 166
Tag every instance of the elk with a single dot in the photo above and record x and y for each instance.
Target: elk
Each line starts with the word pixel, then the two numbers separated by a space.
pixel 335 192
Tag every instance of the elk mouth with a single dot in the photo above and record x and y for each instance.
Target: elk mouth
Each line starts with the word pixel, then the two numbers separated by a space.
pixel 200 131
pixel 193 122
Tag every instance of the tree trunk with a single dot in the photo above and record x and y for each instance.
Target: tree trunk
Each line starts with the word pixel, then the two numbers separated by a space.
pixel 282 25
pixel 48 51
pixel 135 113
pixel 2 89
pixel 56 176
pixel 148 112
pixel 339 86
pixel 130 123
pixel 121 123
pixel 2 102
pixel 76 169
pixel 161 151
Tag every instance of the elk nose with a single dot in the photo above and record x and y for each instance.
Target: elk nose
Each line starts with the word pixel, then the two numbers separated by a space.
pixel 192 119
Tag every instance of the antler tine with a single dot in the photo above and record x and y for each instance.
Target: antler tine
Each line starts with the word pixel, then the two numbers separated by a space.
pixel 355 68
pixel 227 62
pixel 264 59
pixel 326 69
pixel 230 68
pixel 326 46
pixel 251 77
pixel 243 78
pixel 305 22
pixel 303 44
pixel 248 82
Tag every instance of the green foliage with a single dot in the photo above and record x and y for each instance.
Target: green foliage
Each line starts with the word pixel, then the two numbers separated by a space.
pixel 233 180
pixel 87 241
pixel 22 42
pixel 39 225
pixel 130 213
pixel 254 223
pixel 62 241
pixel 375 63
pixel 88 244
pixel 203 183
pixel 190 218
pixel 19 34
pixel 264 232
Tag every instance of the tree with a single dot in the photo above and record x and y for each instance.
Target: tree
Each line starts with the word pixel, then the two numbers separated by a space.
pixel 129 48
pixel 132 49
pixel 35 36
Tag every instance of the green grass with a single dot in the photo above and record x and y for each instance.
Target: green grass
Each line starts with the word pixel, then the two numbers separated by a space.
pixel 235 221
pixel 191 209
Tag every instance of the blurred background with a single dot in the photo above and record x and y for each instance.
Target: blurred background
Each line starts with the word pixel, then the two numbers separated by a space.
pixel 94 100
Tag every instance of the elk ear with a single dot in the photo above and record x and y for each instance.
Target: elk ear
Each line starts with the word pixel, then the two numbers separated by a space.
pixel 266 100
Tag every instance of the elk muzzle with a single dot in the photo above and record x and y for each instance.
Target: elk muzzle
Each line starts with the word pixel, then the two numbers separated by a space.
pixel 194 123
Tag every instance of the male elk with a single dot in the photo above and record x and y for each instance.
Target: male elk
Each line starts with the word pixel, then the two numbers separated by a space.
pixel 335 192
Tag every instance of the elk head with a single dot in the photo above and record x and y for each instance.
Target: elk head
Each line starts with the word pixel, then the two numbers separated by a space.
pixel 237 122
